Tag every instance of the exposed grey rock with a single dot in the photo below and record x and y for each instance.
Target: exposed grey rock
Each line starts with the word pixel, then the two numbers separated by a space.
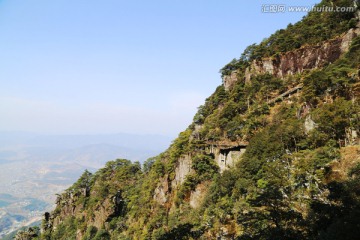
pixel 227 158
pixel 182 170
pixel 229 80
pixel 160 194
pixel 351 136
pixel 347 39
pixel 309 124
pixel 298 60
pixel 197 196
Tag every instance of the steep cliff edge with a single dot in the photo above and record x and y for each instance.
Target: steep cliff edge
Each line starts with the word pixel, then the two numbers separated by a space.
pixel 297 61
pixel 272 154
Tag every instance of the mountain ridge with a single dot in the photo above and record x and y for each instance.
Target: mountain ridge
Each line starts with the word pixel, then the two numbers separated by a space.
pixel 268 156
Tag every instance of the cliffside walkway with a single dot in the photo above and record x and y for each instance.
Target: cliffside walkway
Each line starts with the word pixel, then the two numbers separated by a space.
pixel 285 94
pixel 228 144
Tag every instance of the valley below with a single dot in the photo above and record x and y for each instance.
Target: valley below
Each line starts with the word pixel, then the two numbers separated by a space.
pixel 34 168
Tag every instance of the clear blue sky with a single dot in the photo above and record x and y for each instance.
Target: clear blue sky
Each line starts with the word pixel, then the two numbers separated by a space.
pixel 109 66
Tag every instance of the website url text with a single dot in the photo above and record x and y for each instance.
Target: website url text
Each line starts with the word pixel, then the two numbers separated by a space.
pixel 282 8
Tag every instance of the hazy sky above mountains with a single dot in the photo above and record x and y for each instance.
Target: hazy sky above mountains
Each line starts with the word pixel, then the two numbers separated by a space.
pixel 85 66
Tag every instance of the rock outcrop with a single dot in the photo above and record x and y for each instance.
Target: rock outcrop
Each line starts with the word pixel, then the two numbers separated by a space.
pixel 228 157
pixel 229 80
pixel 197 196
pixel 160 193
pixel 297 61
pixel 305 58
pixel 182 170
pixel 309 124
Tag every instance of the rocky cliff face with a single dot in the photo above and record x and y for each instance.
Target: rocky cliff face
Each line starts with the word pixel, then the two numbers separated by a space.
pixel 182 169
pixel 305 58
pixel 229 80
pixel 68 206
pixel 226 158
pixel 226 154
pixel 161 193
pixel 297 61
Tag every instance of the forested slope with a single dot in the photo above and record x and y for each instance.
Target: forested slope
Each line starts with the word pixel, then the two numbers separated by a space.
pixel 272 154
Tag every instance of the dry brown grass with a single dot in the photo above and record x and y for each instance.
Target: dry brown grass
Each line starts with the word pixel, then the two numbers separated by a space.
pixel 350 156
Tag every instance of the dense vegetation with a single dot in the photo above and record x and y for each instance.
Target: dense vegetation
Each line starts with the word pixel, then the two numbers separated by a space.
pixel 293 182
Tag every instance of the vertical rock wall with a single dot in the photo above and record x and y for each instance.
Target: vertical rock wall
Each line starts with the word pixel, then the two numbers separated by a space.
pixel 227 158
pixel 298 60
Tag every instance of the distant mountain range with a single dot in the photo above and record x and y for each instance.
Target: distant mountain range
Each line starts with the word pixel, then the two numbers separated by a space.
pixel 132 141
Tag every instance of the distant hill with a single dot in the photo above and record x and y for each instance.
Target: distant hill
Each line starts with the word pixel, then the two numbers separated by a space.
pixel 131 141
